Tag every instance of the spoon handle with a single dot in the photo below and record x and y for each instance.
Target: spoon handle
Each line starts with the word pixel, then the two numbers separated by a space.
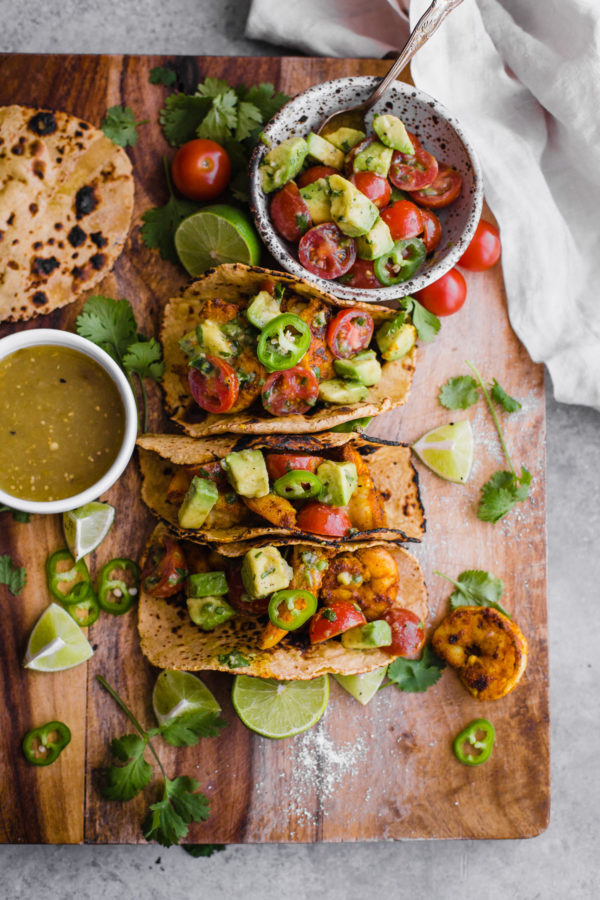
pixel 431 19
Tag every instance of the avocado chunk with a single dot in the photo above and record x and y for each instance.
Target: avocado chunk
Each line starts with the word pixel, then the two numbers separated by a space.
pixel 190 344
pixel 392 132
pixel 282 163
pixel 209 612
pixel 362 687
pixel 337 391
pixel 338 480
pixel 324 152
pixel 345 138
pixel 376 243
pixel 214 341
pixel 395 338
pixel 375 157
pixel 264 571
pixel 199 499
pixel 246 472
pixel 317 197
pixel 206 584
pixel 373 634
pixel 364 368
pixel 262 309
pixel 351 210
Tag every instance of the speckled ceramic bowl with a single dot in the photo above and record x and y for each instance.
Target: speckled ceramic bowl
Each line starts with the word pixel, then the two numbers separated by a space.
pixel 437 131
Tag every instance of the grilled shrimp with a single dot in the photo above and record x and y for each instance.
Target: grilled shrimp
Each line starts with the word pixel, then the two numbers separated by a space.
pixel 368 577
pixel 488 649
pixel 318 356
pixel 366 506
pixel 276 510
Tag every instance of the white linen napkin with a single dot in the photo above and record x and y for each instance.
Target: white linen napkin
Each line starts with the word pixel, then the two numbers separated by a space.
pixel 524 80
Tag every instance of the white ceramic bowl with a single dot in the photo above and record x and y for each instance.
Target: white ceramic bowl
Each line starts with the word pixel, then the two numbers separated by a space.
pixel 53 337
pixel 438 132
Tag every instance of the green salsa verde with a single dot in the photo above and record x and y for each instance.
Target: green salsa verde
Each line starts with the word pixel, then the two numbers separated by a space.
pixel 62 423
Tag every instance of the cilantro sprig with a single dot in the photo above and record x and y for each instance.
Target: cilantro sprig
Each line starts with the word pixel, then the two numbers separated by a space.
pixel 462 392
pixel 181 802
pixel 415 675
pixel 162 75
pixel 120 125
pixel 475 587
pixel 17 514
pixel 14 577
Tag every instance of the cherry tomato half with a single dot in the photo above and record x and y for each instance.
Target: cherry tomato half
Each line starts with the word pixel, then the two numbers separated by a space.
pixel 201 169
pixel 373 186
pixel 291 391
pixel 314 173
pixel 320 518
pixel 279 464
pixel 215 387
pixel 237 596
pixel 329 621
pixel 404 220
pixel 441 192
pixel 324 250
pixel 410 172
pixel 446 296
pixel 361 275
pixel 408 634
pixel 432 230
pixel 289 212
pixel 484 250
pixel 350 332
pixel 165 569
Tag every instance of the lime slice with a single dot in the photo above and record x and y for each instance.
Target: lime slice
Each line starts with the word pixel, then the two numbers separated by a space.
pixel 279 709
pixel 56 642
pixel 217 234
pixel 85 528
pixel 176 693
pixel 448 451
pixel 362 687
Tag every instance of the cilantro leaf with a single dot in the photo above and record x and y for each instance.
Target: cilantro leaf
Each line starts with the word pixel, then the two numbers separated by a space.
pixel 180 117
pixel 144 358
pixel 162 75
pixel 221 120
pixel 416 675
pixel 182 804
pixel 187 729
pixel 264 97
pixel 109 323
pixel 508 403
pixel 426 323
pixel 501 493
pixel 17 514
pixel 459 393
pixel 199 850
pixel 125 782
pixel 212 88
pixel 120 126
pixel 476 587
pixel 249 117
pixel 14 577
pixel 160 223
pixel 233 660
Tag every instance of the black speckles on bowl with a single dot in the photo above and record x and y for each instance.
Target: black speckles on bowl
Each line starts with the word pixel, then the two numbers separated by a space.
pixel 437 131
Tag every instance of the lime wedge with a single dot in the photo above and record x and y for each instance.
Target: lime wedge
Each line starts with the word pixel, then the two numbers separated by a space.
pixel 176 693
pixel 279 709
pixel 56 642
pixel 362 687
pixel 217 234
pixel 85 528
pixel 448 451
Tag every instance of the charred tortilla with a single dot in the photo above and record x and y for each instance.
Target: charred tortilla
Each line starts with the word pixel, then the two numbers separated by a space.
pixel 389 465
pixel 238 284
pixel 66 199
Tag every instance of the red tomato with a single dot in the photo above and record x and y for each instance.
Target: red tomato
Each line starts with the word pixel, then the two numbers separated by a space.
pixel 441 192
pixel 332 620
pixel 408 634
pixel 216 389
pixel 325 251
pixel 376 188
pixel 291 391
pixel 361 275
pixel 410 172
pixel 237 596
pixel 314 173
pixel 320 518
pixel 165 569
pixel 432 230
pixel 350 332
pixel 280 463
pixel 446 296
pixel 201 169
pixel 289 213
pixel 484 250
pixel 404 220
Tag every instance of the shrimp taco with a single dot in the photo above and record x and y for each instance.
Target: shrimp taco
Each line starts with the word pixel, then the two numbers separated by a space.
pixel 249 350
pixel 291 612
pixel 319 489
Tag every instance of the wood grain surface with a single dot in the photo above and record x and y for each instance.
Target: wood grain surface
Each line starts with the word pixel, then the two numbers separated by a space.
pixel 385 771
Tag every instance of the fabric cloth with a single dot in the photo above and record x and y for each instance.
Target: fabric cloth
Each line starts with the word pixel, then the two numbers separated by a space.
pixel 523 78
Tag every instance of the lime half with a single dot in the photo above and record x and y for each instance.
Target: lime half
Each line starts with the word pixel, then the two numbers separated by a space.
pixel 362 687
pixel 217 234
pixel 176 693
pixel 85 528
pixel 279 709
pixel 56 642
pixel 448 451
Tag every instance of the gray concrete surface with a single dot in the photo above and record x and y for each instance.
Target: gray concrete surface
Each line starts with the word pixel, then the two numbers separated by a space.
pixel 564 862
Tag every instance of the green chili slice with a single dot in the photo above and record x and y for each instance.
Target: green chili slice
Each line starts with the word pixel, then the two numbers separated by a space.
pixel 289 609
pixel 283 342
pixel 68 581
pixel 474 744
pixel 118 585
pixel 401 262
pixel 85 611
pixel 298 485
pixel 42 746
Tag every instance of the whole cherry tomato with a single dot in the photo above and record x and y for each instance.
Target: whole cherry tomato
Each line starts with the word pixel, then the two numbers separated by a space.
pixel 484 250
pixel 201 169
pixel 446 296
pixel 404 220
pixel 373 186
pixel 408 634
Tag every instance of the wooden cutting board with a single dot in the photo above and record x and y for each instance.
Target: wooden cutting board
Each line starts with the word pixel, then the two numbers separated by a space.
pixel 385 771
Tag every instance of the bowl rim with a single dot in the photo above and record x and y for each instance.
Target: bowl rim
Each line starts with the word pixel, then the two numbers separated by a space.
pixel 383 294
pixel 37 337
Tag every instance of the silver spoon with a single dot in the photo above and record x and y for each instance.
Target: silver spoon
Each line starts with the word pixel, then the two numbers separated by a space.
pixel 353 117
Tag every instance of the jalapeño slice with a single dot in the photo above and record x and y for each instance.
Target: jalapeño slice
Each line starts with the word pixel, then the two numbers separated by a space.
pixel 118 585
pixel 42 746
pixel 283 342
pixel 68 581
pixel 474 744
pixel 401 262
pixel 289 609
pixel 298 485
